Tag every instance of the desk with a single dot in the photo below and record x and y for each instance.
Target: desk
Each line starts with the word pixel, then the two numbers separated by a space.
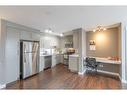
pixel 106 65
pixel 105 60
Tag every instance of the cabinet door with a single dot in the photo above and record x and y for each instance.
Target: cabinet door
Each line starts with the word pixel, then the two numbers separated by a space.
pixel 41 66
pixel 73 63
pixel 114 68
pixel 76 40
pixel 47 43
pixel 58 59
pixel 61 58
pixel 53 60
pixel 25 35
pixel 47 61
pixel 36 36
pixel 12 54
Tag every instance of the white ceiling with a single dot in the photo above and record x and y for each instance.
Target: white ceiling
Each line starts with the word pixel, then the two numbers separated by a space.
pixel 64 18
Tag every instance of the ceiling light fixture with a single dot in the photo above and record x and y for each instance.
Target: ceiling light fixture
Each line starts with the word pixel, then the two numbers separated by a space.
pixel 48 30
pixel 99 29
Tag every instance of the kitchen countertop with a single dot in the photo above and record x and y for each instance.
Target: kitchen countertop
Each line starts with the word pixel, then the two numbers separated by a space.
pixel 74 55
pixel 49 54
pixel 46 55
pixel 58 54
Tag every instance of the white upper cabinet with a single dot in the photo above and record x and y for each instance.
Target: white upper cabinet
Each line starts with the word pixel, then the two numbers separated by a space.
pixel 76 40
pixel 25 35
pixel 49 42
pixel 36 36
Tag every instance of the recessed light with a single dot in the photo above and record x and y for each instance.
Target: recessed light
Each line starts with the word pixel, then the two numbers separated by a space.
pixel 61 35
pixel 48 31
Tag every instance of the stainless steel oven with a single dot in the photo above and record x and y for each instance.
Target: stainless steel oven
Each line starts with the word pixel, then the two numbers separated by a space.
pixel 66 58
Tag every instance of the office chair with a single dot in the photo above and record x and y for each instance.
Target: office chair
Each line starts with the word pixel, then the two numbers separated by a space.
pixel 90 63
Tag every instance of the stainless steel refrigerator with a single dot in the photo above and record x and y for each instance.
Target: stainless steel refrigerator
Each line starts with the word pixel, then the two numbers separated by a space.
pixel 29 58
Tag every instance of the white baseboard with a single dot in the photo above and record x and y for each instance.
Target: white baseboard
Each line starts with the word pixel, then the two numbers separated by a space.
pixel 81 73
pixel 124 81
pixel 2 86
pixel 106 72
pixel 120 77
pixel 53 65
pixel 117 74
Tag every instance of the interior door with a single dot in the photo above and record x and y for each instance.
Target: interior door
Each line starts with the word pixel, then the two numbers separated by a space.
pixel 12 54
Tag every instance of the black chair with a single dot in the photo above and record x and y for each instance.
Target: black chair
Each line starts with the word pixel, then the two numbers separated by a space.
pixel 91 64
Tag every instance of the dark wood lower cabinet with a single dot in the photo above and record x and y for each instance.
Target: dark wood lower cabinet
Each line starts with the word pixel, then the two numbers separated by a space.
pixel 59 77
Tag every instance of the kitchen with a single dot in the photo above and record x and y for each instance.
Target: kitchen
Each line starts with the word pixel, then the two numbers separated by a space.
pixel 49 46
pixel 53 48
pixel 57 50
pixel 69 49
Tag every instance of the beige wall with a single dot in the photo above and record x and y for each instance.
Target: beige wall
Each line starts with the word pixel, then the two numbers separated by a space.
pixel 107 43
pixel 119 42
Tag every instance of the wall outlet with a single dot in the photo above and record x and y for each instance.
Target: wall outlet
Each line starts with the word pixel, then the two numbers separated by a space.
pixel 100 65
pixel 2 86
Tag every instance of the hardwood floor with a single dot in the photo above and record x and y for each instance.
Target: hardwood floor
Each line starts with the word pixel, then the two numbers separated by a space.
pixel 59 77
